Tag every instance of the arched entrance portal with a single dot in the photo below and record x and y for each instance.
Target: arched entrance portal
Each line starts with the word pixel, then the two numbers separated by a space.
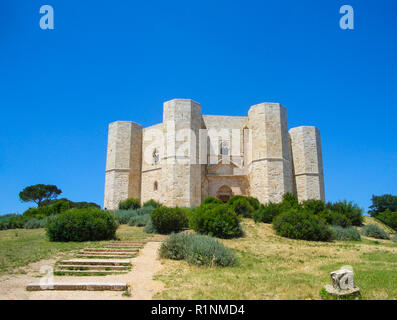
pixel 224 193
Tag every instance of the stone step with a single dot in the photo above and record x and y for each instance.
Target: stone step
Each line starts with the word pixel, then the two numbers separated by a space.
pixel 82 286
pixel 92 267
pixel 138 242
pixel 111 250
pixel 115 253
pixel 66 271
pixel 98 262
pixel 103 255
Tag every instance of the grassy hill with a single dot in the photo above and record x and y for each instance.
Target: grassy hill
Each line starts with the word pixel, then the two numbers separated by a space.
pixel 272 267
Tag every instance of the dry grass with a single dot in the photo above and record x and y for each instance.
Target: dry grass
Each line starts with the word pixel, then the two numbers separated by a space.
pixel 272 267
pixel 19 247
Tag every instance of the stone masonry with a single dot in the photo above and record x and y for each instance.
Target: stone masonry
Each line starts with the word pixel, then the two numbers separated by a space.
pixel 190 156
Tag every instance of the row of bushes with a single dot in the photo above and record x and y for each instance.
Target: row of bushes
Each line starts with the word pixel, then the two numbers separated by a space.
pixel 38 217
pixel 342 213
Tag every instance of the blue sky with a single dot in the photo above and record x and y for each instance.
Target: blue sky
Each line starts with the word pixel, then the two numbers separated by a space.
pixel 120 60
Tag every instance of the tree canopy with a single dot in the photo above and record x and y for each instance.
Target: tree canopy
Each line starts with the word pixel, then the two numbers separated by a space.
pixel 39 193
pixel 383 203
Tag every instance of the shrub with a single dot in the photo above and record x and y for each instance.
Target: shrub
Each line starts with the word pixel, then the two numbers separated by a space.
pixel 198 250
pixel 211 200
pixel 151 203
pixel 235 198
pixel 344 234
pixel 88 224
pixel 167 220
pixel 395 238
pixel 139 220
pixel 373 231
pixel 242 207
pixel 267 212
pixel 129 204
pixel 150 228
pixel 124 216
pixel 254 202
pixel 301 225
pixel 335 219
pixel 290 201
pixel 388 218
pixel 54 208
pixel 78 205
pixel 216 220
pixel 314 206
pixel 36 223
pixel 352 211
pixel 12 221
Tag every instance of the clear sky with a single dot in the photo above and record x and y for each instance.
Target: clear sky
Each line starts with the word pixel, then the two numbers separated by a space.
pixel 120 60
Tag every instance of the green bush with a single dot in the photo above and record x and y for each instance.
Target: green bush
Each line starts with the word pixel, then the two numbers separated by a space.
pixel 139 220
pixel 254 202
pixel 72 204
pixel 395 238
pixel 129 204
pixel 150 228
pixel 167 220
pixel 124 216
pixel 88 224
pixel 198 250
pixel 235 198
pixel 216 220
pixel 34 223
pixel 373 231
pixel 242 207
pixel 290 201
pixel 302 225
pixel 388 218
pixel 54 208
pixel 352 211
pixel 267 212
pixel 344 234
pixel 151 203
pixel 211 200
pixel 335 219
pixel 314 206
pixel 12 221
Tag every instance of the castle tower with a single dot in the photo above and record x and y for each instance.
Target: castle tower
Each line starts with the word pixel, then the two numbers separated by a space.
pixel 269 170
pixel 182 172
pixel 123 164
pixel 308 163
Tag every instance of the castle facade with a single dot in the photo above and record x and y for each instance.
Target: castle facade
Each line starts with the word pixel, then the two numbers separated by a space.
pixel 190 156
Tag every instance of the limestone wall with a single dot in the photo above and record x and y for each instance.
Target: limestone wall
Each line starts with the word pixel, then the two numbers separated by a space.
pixel 308 163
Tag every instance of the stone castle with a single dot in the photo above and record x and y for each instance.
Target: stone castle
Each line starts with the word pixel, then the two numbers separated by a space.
pixel 190 156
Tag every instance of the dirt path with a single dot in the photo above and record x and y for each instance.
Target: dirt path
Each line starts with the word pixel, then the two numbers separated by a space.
pixel 140 279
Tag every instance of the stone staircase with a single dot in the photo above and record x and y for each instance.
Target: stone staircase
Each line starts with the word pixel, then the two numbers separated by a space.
pixel 112 259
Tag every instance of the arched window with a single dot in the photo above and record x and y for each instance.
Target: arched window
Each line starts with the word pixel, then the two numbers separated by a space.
pixel 224 148
pixel 156 156
pixel 155 186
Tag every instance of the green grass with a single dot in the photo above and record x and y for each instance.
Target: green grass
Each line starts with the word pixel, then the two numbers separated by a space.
pixel 272 267
pixel 19 247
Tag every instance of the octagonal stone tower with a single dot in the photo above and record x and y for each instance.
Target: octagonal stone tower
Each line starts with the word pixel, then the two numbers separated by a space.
pixel 123 164
pixel 308 163
pixel 181 169
pixel 269 167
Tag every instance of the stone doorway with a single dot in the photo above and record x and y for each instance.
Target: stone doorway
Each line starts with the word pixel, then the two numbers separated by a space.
pixel 224 193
